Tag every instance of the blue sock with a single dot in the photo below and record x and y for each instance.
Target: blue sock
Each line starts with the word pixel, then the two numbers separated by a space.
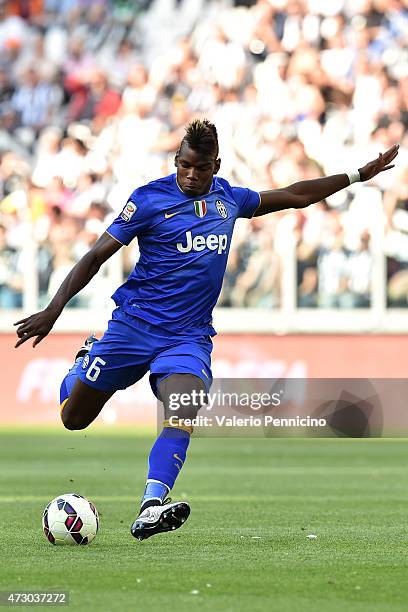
pixel 165 462
pixel 70 380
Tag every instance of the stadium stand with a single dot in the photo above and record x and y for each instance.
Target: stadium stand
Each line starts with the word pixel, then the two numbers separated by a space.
pixel 94 96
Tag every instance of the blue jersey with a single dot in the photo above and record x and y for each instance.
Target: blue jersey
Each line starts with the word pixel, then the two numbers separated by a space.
pixel 184 244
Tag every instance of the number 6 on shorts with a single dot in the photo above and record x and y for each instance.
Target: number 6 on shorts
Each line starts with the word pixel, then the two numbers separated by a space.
pixel 93 370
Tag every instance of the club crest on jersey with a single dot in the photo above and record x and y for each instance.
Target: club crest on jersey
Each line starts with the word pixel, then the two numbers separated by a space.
pixel 129 211
pixel 85 362
pixel 200 208
pixel 222 209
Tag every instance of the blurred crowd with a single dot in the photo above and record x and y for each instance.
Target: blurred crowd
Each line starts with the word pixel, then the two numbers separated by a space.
pixel 94 97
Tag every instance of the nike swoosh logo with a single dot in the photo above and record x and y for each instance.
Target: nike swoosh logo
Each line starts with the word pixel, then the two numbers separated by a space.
pixel 178 459
pixel 169 215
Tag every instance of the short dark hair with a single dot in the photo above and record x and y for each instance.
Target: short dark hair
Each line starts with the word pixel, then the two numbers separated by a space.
pixel 201 136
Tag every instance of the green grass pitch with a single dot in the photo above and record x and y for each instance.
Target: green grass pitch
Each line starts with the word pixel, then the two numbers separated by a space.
pixel 245 545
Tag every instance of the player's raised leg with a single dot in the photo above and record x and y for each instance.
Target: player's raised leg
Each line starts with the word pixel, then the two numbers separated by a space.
pixel 83 405
pixel 80 403
pixel 167 458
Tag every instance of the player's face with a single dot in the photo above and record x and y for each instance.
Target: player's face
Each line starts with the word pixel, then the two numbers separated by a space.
pixel 194 171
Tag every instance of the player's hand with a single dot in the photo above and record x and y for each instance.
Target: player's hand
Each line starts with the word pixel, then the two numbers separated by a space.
pixel 383 162
pixel 37 325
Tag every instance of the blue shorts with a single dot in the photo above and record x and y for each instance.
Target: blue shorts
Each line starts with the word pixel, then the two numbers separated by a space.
pixel 131 347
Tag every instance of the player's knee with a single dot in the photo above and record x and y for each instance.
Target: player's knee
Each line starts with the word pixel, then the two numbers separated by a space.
pixel 72 424
pixel 82 407
pixel 72 421
pixel 181 412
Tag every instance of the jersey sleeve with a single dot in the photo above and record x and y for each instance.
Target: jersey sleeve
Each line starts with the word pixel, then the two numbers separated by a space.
pixel 134 219
pixel 247 201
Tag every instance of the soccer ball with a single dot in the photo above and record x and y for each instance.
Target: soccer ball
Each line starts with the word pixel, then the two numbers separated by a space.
pixel 70 519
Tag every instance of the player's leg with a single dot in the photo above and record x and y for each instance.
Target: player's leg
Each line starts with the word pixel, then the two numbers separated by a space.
pixel 83 405
pixel 168 455
pixel 80 403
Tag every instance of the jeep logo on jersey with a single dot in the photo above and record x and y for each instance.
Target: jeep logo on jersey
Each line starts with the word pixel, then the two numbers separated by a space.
pixel 129 211
pixel 200 208
pixel 213 242
pixel 221 209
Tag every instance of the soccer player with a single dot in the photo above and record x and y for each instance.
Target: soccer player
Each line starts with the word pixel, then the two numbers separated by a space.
pixel 162 322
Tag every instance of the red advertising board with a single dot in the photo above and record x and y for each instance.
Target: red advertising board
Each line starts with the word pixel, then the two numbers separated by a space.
pixel 31 377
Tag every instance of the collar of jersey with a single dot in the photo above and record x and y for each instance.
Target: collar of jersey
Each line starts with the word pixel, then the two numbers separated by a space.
pixel 213 188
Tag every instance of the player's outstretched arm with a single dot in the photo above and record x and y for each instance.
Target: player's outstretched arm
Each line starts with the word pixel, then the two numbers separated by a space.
pixel 40 324
pixel 304 193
